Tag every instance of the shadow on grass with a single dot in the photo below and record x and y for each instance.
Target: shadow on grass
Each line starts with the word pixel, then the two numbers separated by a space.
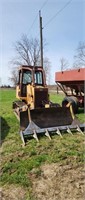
pixel 4 129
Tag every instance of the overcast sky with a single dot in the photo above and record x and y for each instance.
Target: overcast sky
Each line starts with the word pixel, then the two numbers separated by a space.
pixel 63 29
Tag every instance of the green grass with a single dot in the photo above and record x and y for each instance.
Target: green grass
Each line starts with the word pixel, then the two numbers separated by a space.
pixel 18 162
pixel 56 98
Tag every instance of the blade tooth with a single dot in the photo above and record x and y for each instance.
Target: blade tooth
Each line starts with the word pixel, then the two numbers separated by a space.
pixel 35 136
pixel 59 133
pixel 79 130
pixel 69 131
pixel 47 134
pixel 22 138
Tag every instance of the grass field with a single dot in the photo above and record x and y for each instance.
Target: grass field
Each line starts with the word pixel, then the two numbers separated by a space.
pixel 21 166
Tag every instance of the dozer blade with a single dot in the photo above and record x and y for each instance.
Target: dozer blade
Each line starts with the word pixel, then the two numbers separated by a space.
pixel 46 117
pixel 47 120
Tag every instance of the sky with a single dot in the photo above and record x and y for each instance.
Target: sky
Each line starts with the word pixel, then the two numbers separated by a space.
pixel 63 29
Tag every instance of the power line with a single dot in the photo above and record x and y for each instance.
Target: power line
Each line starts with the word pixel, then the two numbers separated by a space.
pixel 33 22
pixel 58 12
pixel 43 5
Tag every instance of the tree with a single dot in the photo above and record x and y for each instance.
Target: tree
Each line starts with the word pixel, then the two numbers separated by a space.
pixel 80 56
pixel 28 53
pixel 63 64
pixel 14 77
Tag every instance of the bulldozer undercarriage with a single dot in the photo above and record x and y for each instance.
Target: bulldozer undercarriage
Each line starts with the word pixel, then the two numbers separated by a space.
pixel 47 121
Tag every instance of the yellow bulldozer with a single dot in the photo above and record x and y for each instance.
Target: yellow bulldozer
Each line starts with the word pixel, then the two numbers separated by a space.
pixel 36 113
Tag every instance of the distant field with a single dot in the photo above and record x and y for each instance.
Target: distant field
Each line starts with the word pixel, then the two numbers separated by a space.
pixel 23 168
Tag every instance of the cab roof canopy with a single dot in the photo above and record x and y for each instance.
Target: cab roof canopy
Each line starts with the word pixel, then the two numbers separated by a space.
pixel 30 67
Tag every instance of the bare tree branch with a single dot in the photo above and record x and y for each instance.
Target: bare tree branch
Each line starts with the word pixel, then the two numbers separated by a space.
pixel 64 64
pixel 80 56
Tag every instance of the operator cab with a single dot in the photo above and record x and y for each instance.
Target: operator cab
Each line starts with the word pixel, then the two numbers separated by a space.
pixel 30 75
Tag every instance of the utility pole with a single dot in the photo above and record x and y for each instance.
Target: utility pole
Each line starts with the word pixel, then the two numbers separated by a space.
pixel 41 38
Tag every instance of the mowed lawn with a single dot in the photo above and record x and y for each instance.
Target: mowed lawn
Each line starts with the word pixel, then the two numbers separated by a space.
pixel 20 165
